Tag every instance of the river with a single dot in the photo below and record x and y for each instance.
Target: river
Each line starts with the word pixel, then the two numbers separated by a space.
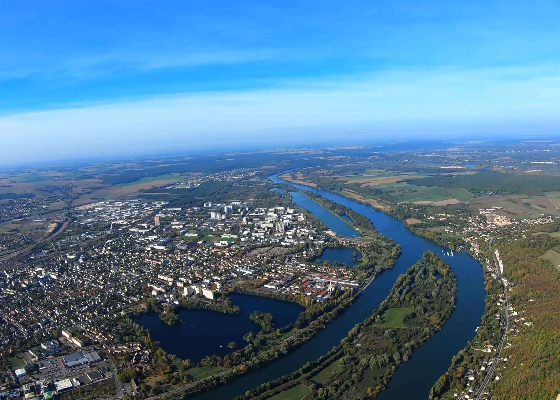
pixel 414 378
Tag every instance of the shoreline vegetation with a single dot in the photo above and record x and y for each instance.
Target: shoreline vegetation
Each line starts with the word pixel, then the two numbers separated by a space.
pixel 533 289
pixel 270 344
pixel 415 214
pixel 370 248
pixel 520 255
pixel 312 320
pixel 261 348
pixel 489 330
pixel 359 221
pixel 375 347
pixel 169 315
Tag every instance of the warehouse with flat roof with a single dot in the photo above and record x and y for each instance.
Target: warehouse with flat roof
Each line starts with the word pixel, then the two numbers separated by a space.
pixel 63 385
pixel 74 359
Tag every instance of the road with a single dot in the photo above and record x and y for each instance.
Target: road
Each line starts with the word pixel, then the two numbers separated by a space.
pixel 491 370
pixel 13 258
pixel 186 387
pixel 118 385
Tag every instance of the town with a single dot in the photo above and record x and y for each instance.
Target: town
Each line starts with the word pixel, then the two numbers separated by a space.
pixel 89 281
pixel 115 255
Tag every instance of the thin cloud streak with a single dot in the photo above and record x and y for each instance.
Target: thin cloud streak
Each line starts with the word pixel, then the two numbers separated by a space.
pixel 91 66
pixel 396 100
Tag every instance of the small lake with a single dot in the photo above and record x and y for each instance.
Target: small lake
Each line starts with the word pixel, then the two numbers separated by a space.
pixel 205 332
pixel 343 255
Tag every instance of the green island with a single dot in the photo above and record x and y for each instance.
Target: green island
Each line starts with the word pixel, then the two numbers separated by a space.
pixel 418 305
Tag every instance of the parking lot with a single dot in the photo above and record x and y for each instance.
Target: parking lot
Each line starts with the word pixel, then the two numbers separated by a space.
pixel 54 369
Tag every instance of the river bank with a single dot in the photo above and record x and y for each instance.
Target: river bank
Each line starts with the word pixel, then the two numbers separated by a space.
pixel 383 341
pixel 430 361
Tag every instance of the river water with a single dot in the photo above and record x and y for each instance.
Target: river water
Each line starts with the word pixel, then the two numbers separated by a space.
pixel 338 225
pixel 414 378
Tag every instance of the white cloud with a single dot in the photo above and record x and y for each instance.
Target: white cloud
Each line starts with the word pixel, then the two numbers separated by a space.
pixel 394 99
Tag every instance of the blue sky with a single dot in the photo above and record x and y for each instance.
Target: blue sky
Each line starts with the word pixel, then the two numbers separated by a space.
pixel 80 78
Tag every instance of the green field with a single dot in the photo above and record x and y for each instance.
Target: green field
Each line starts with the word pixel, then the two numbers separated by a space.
pixel 397 186
pixel 393 317
pixel 212 238
pixel 423 193
pixel 18 361
pixel 149 179
pixel 408 192
pixel 326 373
pixel 298 392
pixel 460 194
pixel 203 372
pixel 209 238
pixel 404 192
pixel 553 257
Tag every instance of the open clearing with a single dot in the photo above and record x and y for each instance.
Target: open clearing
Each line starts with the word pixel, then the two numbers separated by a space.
pixel 149 179
pixel 553 257
pixel 326 373
pixel 18 361
pixel 424 194
pixel 402 192
pixel 364 181
pixel 412 221
pixel 298 392
pixel 299 179
pixel 368 200
pixel 58 205
pixel 447 202
pixel 203 372
pixel 375 177
pixel 393 317
pixel 115 192
pixel 460 194
pixel 520 205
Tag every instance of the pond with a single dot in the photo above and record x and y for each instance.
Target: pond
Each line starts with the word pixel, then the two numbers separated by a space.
pixel 205 332
pixel 343 255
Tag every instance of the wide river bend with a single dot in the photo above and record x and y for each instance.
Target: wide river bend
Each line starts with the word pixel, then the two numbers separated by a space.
pixel 414 378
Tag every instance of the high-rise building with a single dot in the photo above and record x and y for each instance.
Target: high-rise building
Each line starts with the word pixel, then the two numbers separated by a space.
pixel 156 220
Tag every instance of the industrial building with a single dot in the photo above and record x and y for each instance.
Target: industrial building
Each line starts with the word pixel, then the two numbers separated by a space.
pixel 74 359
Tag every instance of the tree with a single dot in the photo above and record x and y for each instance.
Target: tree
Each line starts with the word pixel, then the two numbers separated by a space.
pixel 126 375
pixel 248 337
